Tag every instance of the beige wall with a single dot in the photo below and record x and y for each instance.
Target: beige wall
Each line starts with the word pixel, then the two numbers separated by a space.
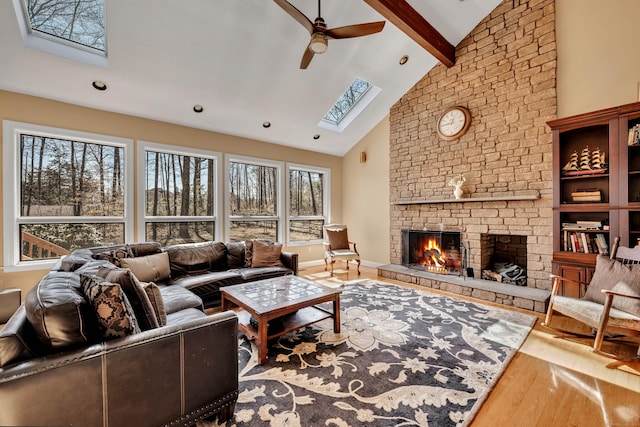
pixel 45 112
pixel 598 58
pixel 365 194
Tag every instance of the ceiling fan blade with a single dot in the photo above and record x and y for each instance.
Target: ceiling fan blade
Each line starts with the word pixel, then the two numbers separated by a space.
pixel 296 14
pixel 355 30
pixel 307 56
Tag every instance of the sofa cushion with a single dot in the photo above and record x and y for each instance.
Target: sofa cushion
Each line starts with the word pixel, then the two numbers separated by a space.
pixel 150 268
pixel 194 258
pixel 75 260
pixel 266 254
pixel 176 298
pixel 253 274
pixel 144 248
pixel 608 273
pixel 113 311
pixel 136 295
pixel 59 311
pixel 235 254
pixel 14 345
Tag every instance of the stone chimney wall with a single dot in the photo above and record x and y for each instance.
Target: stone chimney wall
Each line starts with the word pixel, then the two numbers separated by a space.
pixel 505 74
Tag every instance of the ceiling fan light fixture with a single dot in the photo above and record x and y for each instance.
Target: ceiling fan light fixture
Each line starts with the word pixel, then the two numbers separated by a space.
pixel 318 43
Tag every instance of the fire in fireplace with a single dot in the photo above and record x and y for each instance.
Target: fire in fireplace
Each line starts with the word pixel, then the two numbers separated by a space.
pixel 432 251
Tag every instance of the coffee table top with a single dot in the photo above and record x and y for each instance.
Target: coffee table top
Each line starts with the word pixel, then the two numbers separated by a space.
pixel 271 294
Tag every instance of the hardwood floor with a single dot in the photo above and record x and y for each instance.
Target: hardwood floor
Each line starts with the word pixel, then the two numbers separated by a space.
pixel 551 381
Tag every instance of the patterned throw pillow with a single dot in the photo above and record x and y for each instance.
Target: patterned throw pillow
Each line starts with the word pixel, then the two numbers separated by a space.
pixel 114 255
pixel 136 295
pixel 114 313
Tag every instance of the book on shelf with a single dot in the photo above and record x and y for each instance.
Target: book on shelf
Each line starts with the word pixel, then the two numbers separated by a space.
pixel 586 195
pixel 582 225
pixel 634 135
pixel 587 243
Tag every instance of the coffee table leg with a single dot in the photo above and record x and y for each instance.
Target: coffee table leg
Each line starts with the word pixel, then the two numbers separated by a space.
pixel 224 304
pixel 262 341
pixel 336 314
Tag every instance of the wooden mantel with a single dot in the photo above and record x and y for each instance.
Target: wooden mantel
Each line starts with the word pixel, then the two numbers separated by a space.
pixel 529 196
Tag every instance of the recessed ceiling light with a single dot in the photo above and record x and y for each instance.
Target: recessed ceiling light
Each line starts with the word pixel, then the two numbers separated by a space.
pixel 99 85
pixel 198 108
pixel 404 60
pixel 266 125
pixel 316 136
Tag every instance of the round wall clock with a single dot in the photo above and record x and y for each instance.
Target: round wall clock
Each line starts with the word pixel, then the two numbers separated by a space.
pixel 453 123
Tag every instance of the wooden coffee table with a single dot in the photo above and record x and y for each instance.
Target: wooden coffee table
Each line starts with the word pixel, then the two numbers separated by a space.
pixel 290 299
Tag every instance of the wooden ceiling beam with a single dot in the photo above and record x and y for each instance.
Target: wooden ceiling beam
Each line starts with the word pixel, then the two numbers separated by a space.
pixel 408 20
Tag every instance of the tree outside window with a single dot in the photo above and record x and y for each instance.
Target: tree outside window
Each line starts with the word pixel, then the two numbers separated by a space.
pixel 179 197
pixel 71 196
pixel 253 201
pixel 307 211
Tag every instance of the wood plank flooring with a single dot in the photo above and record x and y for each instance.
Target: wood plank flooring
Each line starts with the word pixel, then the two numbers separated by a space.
pixel 551 381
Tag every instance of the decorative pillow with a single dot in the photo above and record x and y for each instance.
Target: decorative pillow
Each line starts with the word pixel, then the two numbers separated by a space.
pixel 155 297
pixel 114 313
pixel 338 239
pixel 150 268
pixel 627 304
pixel 136 295
pixel 607 274
pixel 114 255
pixel 248 250
pixel 266 254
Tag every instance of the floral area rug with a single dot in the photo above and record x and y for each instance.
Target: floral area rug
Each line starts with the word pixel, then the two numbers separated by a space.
pixel 404 357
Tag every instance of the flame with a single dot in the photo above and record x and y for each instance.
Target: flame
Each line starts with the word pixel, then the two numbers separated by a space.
pixel 434 258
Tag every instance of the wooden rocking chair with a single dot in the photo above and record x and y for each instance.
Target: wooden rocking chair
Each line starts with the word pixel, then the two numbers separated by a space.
pixel 611 304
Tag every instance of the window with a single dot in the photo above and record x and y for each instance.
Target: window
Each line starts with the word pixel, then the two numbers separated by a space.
pixel 74 29
pixel 70 191
pixel 254 206
pixel 350 104
pixel 308 202
pixel 179 195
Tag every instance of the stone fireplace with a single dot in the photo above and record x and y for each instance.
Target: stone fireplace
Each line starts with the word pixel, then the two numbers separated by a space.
pixel 503 258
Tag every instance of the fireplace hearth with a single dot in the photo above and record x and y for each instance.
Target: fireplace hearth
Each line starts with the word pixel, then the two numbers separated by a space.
pixel 438 252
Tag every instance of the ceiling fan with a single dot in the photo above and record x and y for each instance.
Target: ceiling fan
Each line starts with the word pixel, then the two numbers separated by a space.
pixel 320 33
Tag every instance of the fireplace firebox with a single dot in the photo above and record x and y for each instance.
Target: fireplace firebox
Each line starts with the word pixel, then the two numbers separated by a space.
pixel 433 251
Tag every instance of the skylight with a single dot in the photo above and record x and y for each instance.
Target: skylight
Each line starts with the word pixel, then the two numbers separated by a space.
pixel 348 99
pixel 74 29
pixel 350 104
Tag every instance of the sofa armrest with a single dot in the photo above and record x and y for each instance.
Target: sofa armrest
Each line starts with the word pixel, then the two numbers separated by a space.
pixel 290 260
pixel 179 374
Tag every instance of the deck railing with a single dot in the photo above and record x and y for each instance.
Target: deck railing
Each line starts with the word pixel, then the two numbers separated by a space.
pixel 34 247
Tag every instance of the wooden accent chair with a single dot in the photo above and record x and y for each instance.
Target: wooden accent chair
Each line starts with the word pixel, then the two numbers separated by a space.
pixel 611 304
pixel 338 247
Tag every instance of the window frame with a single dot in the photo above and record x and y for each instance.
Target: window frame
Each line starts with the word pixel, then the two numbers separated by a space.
pixel 326 201
pixel 59 46
pixel 142 219
pixel 11 189
pixel 279 217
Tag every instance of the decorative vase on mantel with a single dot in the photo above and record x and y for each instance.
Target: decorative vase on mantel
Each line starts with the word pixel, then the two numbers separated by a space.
pixel 458 192
pixel 457 184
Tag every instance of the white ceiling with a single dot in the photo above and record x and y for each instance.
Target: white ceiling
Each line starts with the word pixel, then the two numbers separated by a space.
pixel 240 60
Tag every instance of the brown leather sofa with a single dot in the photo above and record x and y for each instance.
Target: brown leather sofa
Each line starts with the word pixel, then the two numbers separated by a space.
pixel 56 370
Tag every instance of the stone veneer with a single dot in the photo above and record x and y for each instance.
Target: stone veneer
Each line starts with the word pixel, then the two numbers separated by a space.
pixel 505 73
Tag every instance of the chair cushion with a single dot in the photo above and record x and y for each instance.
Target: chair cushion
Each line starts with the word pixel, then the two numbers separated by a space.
pixel 266 254
pixel 115 315
pixel 607 274
pixel 627 304
pixel 338 239
pixel 589 312
pixel 136 295
pixel 150 268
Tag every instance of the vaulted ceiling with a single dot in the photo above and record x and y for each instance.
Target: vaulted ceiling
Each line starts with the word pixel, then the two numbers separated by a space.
pixel 240 59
